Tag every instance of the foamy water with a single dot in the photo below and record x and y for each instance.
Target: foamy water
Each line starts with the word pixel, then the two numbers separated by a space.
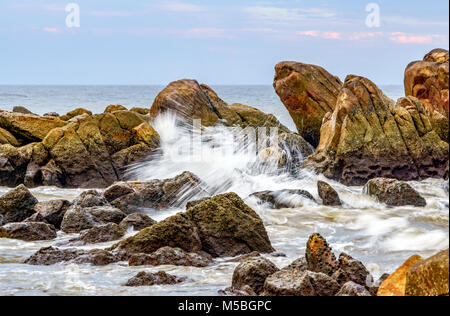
pixel 380 236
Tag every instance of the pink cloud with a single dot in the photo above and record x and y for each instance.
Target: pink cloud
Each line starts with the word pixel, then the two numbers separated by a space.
pixel 309 33
pixel 52 30
pixel 331 35
pixel 364 35
pixel 404 38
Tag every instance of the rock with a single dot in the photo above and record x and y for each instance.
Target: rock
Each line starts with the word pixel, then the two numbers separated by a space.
pixel 149 279
pixel 394 192
pixel 299 264
pixel 245 257
pixel 22 110
pixel 140 110
pixel 283 198
pixel 244 291
pixel 253 272
pixel 308 92
pixel 99 234
pixel 328 195
pixel 53 114
pixel 159 194
pixel 195 202
pixel 429 277
pixel 114 108
pixel 296 147
pixel 177 232
pixel 352 270
pixel 252 117
pixel 1 220
pixel 170 256
pixel 395 284
pixel 75 113
pixel 90 198
pixel 319 256
pixel 27 127
pixel 353 289
pixel 30 231
pixel 228 227
pixel 368 136
pixel 300 283
pixel 17 205
pixel 51 212
pixel 428 81
pixel 50 256
pixel 138 221
pixel 8 138
pixel 77 219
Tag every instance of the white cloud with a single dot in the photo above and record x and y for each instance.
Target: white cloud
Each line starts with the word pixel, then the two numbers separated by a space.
pixel 287 14
pixel 182 7
pixel 413 22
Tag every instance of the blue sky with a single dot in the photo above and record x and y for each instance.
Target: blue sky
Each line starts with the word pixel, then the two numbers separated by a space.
pixel 214 41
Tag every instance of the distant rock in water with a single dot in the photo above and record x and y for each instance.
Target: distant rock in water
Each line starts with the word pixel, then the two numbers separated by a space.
pixel 328 195
pixel 369 136
pixel 283 198
pixel 22 110
pixel 394 192
pixel 308 92
pixel 149 279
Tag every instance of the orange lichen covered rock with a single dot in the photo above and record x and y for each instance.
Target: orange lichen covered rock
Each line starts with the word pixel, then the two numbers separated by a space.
pixel 319 255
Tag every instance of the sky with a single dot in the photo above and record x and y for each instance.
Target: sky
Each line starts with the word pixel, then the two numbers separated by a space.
pixel 213 41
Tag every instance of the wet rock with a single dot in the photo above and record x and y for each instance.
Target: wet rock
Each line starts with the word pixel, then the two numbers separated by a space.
pixel 195 203
pixel 300 283
pixel 77 219
pixel 99 234
pixel 394 192
pixel 352 270
pixel 429 277
pixel 51 212
pixel 228 227
pixel 177 231
pixel 319 255
pixel 245 257
pixel 369 136
pixel 296 147
pixel 428 81
pixel 299 264
pixel 353 289
pixel 328 195
pixel 395 284
pixel 17 205
pixel 283 198
pixel 253 272
pixel 149 279
pixel 1 220
pixel 242 292
pixel 28 231
pixel 376 286
pixel 114 108
pixel 138 221
pixel 90 198
pixel 308 92
pixel 50 256
pixel 170 256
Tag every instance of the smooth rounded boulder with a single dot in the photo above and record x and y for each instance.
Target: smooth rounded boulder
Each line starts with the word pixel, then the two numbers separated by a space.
pixel 17 205
pixel 394 192
pixel 28 231
pixel 253 272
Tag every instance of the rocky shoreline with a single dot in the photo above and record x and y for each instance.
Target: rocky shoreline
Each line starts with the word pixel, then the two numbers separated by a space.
pixel 348 131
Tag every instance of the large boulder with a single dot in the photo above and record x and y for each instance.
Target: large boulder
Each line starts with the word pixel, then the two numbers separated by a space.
pixel 395 284
pixel 328 195
pixel 28 231
pixel 428 81
pixel 300 283
pixel 149 279
pixel 51 212
pixel 429 277
pixel 253 272
pixel 394 192
pixel 352 270
pixel 77 219
pixel 170 256
pixel 368 136
pixel 308 92
pixel 17 205
pixel 228 227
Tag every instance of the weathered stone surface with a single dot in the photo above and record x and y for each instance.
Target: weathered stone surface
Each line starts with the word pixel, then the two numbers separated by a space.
pixel 328 195
pixel 368 136
pixel 50 256
pixel 8 138
pixel 17 205
pixel 429 277
pixel 394 192
pixel 353 289
pixel 428 81
pixel 28 231
pixel 22 110
pixel 352 270
pixel 299 264
pixel 308 93
pixel 395 284
pixel 51 212
pixel 77 219
pixel 170 256
pixel 138 221
pixel 75 113
pixel 228 227
pixel 115 107
pixel 283 198
pixel 177 231
pixel 90 198
pixel 319 255
pixel 149 279
pixel 253 272
pixel 99 234
pixel 251 117
pixel 300 283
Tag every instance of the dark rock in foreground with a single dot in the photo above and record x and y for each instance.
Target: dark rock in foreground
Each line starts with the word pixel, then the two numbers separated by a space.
pixel 17 205
pixel 149 279
pixel 50 212
pixel 394 192
pixel 253 272
pixel 353 289
pixel 328 195
pixel 319 255
pixel 28 231
pixel 99 234
pixel 77 219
